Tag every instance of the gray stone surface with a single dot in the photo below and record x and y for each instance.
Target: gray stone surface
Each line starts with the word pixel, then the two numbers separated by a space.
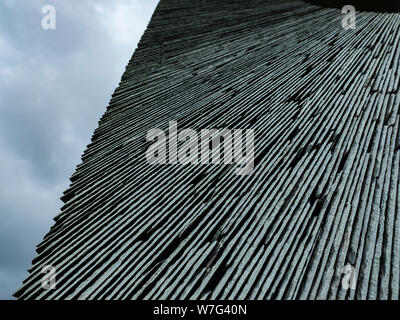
pixel 324 104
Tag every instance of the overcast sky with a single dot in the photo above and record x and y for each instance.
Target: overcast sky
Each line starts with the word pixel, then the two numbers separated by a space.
pixel 54 86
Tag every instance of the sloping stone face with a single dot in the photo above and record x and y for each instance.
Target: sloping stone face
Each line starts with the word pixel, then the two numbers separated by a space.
pixel 318 218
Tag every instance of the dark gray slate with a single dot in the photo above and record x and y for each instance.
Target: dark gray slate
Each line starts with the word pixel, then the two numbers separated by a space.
pixel 325 192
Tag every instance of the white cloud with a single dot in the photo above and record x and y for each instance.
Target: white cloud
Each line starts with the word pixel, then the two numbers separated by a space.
pixel 124 20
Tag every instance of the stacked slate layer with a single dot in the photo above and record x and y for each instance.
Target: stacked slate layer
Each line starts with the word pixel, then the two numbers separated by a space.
pixel 324 104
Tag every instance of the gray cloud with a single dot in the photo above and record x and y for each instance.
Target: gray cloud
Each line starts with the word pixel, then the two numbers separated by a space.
pixel 54 86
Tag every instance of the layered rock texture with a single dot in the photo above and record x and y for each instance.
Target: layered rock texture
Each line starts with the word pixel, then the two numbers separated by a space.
pixel 319 217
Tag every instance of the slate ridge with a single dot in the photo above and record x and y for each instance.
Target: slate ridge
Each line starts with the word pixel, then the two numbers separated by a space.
pixel 324 104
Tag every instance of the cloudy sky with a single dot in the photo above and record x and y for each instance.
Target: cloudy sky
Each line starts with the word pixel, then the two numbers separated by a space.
pixel 54 86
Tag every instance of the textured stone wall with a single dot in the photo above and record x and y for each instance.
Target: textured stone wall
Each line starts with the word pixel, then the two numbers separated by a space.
pixel 317 219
